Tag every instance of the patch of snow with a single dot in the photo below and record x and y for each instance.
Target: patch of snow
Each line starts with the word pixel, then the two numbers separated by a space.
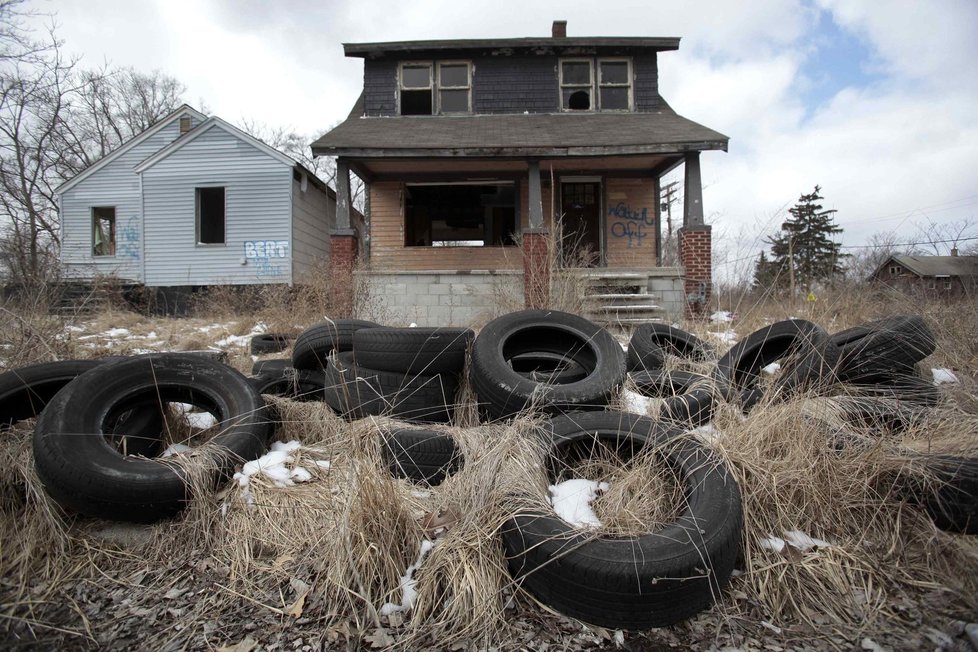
pixel 201 420
pixel 323 464
pixel 796 538
pixel 259 328
pixel 115 332
pixel 571 499
pixel 728 336
pixel 635 402
pixel 772 368
pixel 413 325
pixel 211 327
pixel 76 329
pixel 722 317
pixel 707 433
pixel 619 638
pixel 420 493
pixel 408 591
pixel 273 465
pixel 236 340
pixel 944 377
pixel 175 449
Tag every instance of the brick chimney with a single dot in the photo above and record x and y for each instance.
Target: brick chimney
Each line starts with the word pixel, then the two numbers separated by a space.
pixel 559 29
pixel 954 251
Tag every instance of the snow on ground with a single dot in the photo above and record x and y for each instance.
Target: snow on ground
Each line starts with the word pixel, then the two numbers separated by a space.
pixel 707 433
pixel 797 539
pixel 242 340
pixel 772 368
pixel 635 402
pixel 408 591
pixel 176 449
pixel 944 377
pixel 727 336
pixel 199 420
pixel 722 317
pixel 571 499
pixel 275 466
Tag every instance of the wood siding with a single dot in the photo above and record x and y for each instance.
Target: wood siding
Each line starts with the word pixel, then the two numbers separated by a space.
pixel 313 219
pixel 115 184
pixel 630 222
pixel 258 209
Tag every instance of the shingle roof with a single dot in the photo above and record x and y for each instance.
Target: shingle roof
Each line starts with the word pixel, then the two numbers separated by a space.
pixel 538 134
pixel 940 265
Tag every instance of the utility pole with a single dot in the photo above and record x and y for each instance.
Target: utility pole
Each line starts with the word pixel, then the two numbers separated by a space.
pixel 668 199
pixel 791 266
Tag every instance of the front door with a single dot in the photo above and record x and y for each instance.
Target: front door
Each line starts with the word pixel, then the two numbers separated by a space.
pixel 580 205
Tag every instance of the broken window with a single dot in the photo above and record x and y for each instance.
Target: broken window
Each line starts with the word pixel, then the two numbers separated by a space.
pixel 103 231
pixel 460 215
pixel 416 89
pixel 210 215
pixel 614 85
pixel 454 84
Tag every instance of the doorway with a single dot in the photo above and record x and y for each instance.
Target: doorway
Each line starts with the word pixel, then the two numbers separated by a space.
pixel 580 208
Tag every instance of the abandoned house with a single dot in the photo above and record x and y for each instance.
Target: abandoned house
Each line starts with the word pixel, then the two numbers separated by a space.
pixel 474 151
pixel 929 276
pixel 193 201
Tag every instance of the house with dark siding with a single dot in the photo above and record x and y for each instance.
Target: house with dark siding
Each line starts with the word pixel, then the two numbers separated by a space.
pixel 483 159
pixel 193 201
pixel 929 276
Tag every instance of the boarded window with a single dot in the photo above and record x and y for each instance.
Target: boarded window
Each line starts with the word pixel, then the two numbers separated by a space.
pixel 416 89
pixel 210 215
pixel 460 215
pixel 103 231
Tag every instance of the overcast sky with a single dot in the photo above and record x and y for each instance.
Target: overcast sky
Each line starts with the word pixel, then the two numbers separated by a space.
pixel 874 100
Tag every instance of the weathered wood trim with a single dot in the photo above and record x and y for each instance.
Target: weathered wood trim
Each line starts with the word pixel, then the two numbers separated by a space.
pixel 520 152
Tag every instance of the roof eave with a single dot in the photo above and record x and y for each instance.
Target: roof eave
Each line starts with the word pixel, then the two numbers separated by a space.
pixel 519 152
pixel 401 47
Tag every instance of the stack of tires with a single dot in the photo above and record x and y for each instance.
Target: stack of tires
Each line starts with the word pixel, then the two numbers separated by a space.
pixel 412 374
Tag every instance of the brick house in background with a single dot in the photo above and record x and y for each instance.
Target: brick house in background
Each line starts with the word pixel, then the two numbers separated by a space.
pixel 471 149
pixel 930 276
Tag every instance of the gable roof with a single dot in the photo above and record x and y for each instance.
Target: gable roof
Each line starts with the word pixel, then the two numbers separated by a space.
pixel 937 265
pixel 515 134
pixel 578 44
pixel 212 123
pixel 183 109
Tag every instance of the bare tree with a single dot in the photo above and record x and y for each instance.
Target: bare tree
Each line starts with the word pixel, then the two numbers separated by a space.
pixel 866 260
pixel 939 239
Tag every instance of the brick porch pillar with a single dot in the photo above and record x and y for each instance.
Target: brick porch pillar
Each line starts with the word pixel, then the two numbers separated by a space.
pixel 536 268
pixel 343 246
pixel 695 255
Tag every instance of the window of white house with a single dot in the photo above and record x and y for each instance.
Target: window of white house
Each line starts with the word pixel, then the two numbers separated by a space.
pixel 210 215
pixel 613 85
pixel 459 215
pixel 103 231
pixel 454 86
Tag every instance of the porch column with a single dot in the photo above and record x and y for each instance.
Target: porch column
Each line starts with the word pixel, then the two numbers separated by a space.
pixel 536 241
pixel 343 247
pixel 695 242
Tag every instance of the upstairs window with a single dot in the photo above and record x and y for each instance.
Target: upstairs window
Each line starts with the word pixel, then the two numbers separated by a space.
pixel 210 215
pixel 423 92
pixel 103 231
pixel 609 90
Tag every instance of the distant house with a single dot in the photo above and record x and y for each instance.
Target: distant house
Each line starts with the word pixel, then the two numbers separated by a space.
pixel 935 276
pixel 193 201
pixel 473 150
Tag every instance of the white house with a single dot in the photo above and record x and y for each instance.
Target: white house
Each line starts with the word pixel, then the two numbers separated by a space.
pixel 194 201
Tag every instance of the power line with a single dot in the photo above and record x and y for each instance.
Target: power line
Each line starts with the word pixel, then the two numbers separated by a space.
pixel 909 244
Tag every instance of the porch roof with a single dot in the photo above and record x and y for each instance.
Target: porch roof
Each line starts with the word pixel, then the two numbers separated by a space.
pixel 518 135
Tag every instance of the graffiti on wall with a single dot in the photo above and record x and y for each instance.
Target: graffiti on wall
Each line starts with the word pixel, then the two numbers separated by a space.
pixel 265 255
pixel 128 239
pixel 631 224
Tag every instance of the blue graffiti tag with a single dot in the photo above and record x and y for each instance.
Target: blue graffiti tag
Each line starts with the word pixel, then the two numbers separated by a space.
pixel 631 229
pixel 128 246
pixel 621 211
pixel 631 223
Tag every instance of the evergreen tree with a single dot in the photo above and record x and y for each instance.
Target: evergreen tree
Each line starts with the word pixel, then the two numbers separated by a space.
pixel 803 249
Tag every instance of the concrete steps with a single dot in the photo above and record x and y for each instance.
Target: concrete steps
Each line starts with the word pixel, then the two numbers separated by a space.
pixel 620 298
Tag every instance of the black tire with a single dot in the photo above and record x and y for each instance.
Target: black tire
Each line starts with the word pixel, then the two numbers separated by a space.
pixel 503 392
pixel 314 345
pixel 356 392
pixel 84 473
pixel 810 359
pixel 297 384
pixel 893 344
pixel 543 367
pixel 691 409
pixel 632 583
pixel 651 342
pixel 420 455
pixel 953 502
pixel 884 415
pixel 425 351
pixel 275 367
pixel 900 387
pixel 270 343
pixel 662 384
pixel 24 392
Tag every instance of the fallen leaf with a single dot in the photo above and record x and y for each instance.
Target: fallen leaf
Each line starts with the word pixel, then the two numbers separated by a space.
pixel 301 591
pixel 173 594
pixel 379 638
pixel 246 645
pixel 442 519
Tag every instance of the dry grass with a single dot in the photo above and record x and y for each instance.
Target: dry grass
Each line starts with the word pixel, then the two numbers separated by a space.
pixel 322 557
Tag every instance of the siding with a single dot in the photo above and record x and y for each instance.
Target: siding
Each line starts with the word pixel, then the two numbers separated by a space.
pixel 113 185
pixel 258 208
pixel 505 83
pixel 313 218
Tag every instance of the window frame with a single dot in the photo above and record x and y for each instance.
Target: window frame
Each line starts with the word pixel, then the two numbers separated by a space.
pixel 197 233
pixel 514 182
pixel 112 232
pixel 595 86
pixel 439 87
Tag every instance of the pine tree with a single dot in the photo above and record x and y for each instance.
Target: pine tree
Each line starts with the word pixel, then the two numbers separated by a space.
pixel 803 251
